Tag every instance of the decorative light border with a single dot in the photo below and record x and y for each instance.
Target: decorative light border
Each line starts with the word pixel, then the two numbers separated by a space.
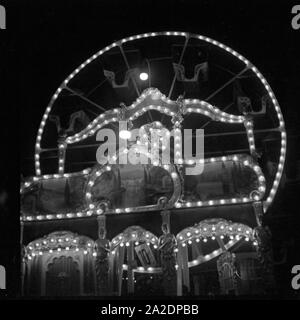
pixel 210 228
pixel 194 263
pixel 153 99
pixel 255 195
pixel 59 242
pixel 174 201
pixel 171 169
pixel 29 182
pixel 213 229
pixel 135 234
pixel 186 35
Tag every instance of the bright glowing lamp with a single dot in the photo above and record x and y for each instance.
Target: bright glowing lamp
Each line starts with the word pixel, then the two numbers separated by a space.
pixel 125 134
pixel 144 76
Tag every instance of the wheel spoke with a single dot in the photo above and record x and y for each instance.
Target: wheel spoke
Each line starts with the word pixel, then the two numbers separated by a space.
pixel 84 98
pixel 180 61
pixel 226 84
pixel 129 70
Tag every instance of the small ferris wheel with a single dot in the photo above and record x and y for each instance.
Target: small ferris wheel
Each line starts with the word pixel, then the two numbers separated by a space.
pixel 228 91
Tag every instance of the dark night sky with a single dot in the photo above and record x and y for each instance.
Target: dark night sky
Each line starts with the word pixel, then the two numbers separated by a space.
pixel 56 36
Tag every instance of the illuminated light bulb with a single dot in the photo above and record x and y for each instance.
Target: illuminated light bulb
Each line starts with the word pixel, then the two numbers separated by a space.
pixel 213 238
pixel 121 244
pixel 197 240
pixel 94 254
pixel 190 242
pixel 144 76
pixel 125 134
pixel 205 240
pixel 127 244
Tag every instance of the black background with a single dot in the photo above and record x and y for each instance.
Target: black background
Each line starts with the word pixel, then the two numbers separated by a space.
pixel 46 40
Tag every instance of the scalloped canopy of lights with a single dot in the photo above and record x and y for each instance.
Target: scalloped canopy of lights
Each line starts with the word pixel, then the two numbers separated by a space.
pixel 68 242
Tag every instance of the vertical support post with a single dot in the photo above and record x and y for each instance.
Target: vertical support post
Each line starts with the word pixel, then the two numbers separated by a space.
pixel 120 268
pixel 102 249
pixel 185 268
pixel 259 212
pixel 81 270
pixel 179 274
pixel 130 273
pixel 167 245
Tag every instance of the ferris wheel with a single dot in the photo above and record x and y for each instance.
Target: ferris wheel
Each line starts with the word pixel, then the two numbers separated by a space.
pixel 178 66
